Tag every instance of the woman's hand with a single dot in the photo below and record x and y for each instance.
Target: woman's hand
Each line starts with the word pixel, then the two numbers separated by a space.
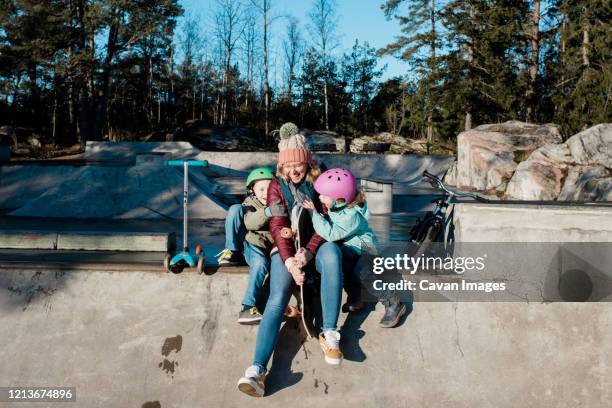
pixel 295 270
pixel 309 205
pixel 303 256
pixel 298 275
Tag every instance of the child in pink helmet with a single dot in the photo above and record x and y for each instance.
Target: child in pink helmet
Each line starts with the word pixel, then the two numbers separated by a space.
pixel 347 222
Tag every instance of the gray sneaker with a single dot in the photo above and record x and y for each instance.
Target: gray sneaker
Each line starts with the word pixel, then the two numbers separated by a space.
pixel 249 316
pixel 394 310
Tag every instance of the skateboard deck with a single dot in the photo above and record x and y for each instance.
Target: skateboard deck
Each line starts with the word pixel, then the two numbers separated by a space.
pixel 301 222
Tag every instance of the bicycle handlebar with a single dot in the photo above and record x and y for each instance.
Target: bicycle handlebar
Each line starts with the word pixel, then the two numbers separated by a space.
pixel 436 182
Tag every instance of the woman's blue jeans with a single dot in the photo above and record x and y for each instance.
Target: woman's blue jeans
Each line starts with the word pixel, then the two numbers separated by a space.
pixel 328 262
pixel 259 267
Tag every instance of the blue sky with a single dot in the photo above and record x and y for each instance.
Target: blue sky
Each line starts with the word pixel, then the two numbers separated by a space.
pixel 358 19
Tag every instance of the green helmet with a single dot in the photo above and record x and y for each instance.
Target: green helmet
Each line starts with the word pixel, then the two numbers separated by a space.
pixel 260 173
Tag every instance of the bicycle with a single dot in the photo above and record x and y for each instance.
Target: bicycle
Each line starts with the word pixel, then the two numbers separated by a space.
pixel 430 228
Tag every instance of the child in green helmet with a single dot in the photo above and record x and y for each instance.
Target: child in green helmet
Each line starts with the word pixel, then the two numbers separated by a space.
pixel 246 228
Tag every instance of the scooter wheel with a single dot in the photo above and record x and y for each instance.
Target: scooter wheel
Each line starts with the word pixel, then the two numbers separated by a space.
pixel 292 312
pixel 176 268
pixel 200 265
pixel 167 262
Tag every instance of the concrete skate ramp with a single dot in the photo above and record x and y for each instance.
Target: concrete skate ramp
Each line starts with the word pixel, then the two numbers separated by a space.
pixel 146 190
pixel 161 340
pixel 392 167
pixel 22 183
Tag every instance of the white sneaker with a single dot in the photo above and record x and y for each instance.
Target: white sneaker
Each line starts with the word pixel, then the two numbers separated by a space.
pixel 253 381
pixel 330 344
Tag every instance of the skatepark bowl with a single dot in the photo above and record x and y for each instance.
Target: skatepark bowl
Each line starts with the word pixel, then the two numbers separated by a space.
pixel 124 333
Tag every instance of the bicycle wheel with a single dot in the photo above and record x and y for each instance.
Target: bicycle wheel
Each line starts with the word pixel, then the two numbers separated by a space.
pixel 431 235
pixel 427 232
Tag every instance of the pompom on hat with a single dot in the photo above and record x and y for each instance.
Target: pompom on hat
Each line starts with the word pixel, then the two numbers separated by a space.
pixel 292 146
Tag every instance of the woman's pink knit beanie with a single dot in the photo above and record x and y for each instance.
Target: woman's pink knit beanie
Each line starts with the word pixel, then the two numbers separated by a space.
pixel 292 146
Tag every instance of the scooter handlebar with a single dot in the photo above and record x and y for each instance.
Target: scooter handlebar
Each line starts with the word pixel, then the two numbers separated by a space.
pixel 190 163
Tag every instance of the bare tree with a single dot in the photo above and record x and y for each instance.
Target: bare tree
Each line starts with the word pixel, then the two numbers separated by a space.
pixel 292 47
pixel 264 7
pixel 249 45
pixel 324 20
pixel 229 28
pixel 534 38
pixel 190 40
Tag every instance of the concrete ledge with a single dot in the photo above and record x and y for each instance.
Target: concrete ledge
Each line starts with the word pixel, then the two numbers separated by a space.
pixel 28 240
pixel 128 150
pixel 104 261
pixel 475 222
pixel 379 194
pixel 117 261
pixel 113 267
pixel 88 241
pixel 116 241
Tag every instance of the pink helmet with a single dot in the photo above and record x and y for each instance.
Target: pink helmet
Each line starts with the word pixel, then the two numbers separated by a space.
pixel 337 183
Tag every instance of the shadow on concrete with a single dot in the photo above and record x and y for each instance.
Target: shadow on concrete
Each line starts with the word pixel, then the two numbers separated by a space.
pixel 20 289
pixel 351 333
pixel 291 339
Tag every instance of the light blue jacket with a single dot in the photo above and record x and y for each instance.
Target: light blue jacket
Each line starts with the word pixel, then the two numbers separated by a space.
pixel 349 225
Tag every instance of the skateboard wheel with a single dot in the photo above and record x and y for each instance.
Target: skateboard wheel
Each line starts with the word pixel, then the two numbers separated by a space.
pixel 292 311
pixel 286 233
pixel 198 250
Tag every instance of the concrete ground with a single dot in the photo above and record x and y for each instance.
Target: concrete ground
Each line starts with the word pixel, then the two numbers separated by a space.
pixel 162 340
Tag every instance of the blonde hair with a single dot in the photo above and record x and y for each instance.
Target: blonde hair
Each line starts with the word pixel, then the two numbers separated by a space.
pixel 358 200
pixel 313 171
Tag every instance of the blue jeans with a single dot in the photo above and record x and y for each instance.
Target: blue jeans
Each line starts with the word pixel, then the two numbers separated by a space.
pixel 259 267
pixel 234 228
pixel 352 267
pixel 328 262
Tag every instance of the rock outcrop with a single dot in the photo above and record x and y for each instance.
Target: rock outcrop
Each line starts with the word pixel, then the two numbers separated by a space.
pixel 488 154
pixel 396 144
pixel 222 138
pixel 324 141
pixel 578 170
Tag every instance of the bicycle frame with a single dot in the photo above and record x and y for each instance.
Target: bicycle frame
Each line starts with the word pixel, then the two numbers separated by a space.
pixel 438 213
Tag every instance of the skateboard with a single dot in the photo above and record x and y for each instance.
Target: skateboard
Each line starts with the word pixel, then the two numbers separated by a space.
pixel 301 222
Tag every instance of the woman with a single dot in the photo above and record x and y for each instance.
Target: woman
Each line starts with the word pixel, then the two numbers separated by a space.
pixel 293 185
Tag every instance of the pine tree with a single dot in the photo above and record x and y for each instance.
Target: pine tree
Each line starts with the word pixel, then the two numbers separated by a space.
pixel 360 73
pixel 482 73
pixel 419 45
pixel 583 94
